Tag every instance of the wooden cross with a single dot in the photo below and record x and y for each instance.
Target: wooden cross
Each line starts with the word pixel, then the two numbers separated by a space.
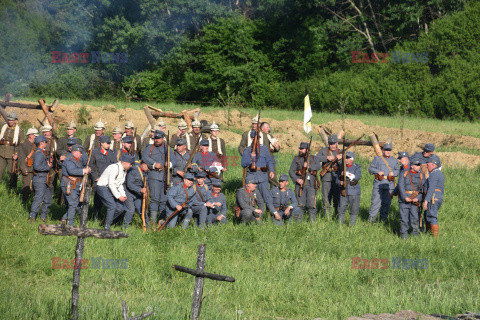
pixel 81 233
pixel 200 274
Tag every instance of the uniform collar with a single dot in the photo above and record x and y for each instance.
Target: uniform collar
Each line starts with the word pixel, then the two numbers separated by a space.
pixel 104 152
pixel 349 165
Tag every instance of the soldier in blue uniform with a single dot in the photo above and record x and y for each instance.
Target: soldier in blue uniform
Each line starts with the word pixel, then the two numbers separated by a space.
pixel 249 202
pixel 199 207
pixel 352 189
pixel 127 146
pixel 155 156
pixel 182 194
pixel 181 156
pixel 135 191
pixel 206 161
pixel 284 201
pixel 309 193
pixel 259 166
pixel 410 186
pixel 404 159
pixel 73 170
pixel 330 190
pixel 385 168
pixel 41 167
pixel 427 152
pixel 435 189
pixel 217 212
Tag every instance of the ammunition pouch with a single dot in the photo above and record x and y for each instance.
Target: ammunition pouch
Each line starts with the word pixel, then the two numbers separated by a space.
pixel 353 182
pixel 413 194
pixel 263 169
pixel 236 210
pixel 379 177
pixel 4 142
pixel 72 181
pixel 391 178
pixel 29 161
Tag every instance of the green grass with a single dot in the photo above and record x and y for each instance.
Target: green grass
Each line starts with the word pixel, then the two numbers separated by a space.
pixel 299 271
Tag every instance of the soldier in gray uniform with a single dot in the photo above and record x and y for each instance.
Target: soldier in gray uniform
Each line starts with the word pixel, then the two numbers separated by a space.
pixel 435 189
pixel 199 206
pixel 73 170
pixel 250 202
pixel 217 212
pixel 330 190
pixel 385 168
pixel 41 167
pixel 62 142
pixel 181 197
pixel 11 136
pixel 182 133
pixel 181 156
pixel 207 162
pixel 135 191
pixel 427 152
pixel 410 186
pixel 352 189
pixel 136 143
pixel 284 201
pixel 309 193
pixel 25 162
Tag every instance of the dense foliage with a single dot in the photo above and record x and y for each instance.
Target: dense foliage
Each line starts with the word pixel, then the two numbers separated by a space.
pixel 265 52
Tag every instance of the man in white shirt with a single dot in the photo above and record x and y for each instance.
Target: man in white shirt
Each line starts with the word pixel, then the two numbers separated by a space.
pixel 110 186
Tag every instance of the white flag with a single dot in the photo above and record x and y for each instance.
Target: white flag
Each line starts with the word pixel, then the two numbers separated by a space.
pixel 307 115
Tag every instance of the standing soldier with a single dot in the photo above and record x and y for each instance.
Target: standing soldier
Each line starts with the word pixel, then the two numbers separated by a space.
pixel 245 141
pixel 330 190
pixel 52 147
pixel 127 146
pixel 385 168
pixel 136 140
pixel 11 135
pixel 208 162
pixel 249 203
pixel 410 184
pixel 273 147
pixel 199 206
pixel 73 170
pixel 93 141
pixel 217 212
pixel 149 140
pixel 217 146
pixel 435 188
pixel 352 189
pixel 181 157
pixel 196 131
pixel 116 144
pixel 284 201
pixel 110 187
pixel 298 170
pixel 427 152
pixel 135 191
pixel 403 158
pixel 155 157
pixel 181 197
pixel 25 162
pixel 41 167
pixel 182 133
pixel 62 142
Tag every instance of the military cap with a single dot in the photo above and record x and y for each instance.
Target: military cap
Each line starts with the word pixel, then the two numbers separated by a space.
pixel 214 126
pixel 189 176
pixel 127 158
pixel 159 134
pixel 332 139
pixel 12 116
pixel 252 134
pixel 117 130
pixel 71 125
pixel 251 181
pixel 155 128
pixel 127 139
pixel 181 142
pixel 350 155
pixel 182 125
pixel 283 177
pixel 201 174
pixel 39 139
pixel 105 139
pixel 99 125
pixel 415 161
pixel 129 125
pixel 429 147
pixel 403 154
pixel 434 159
pixel 387 146
pixel 255 119
pixel 32 131
pixel 77 147
pixel 204 142
pixel 71 141
pixel 161 124
pixel 303 145
pixel 196 124
pixel 47 128
pixel 217 183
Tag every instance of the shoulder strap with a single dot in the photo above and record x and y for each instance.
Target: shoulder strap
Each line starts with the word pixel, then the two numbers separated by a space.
pixel 151 150
pixel 140 171
pixel 386 162
pixel 411 181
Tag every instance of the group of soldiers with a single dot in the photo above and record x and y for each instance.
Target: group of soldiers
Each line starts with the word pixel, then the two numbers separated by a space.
pixel 182 176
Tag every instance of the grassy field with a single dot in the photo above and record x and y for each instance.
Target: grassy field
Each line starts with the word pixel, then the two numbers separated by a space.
pixel 298 271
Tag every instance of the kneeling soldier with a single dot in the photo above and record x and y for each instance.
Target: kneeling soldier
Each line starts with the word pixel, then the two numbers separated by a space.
pixel 135 191
pixel 199 207
pixel 284 201
pixel 352 189
pixel 41 167
pixel 410 184
pixel 217 212
pixel 249 203
pixel 435 187
pixel 180 198
pixel 73 170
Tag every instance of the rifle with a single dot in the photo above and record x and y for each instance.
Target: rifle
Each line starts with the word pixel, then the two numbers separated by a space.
pixel 304 170
pixel 13 173
pixel 84 179
pixel 331 163
pixel 255 143
pixel 167 167
pixel 213 175
pixel 144 200
pixel 344 169
pixel 195 150
pixel 170 217
pixel 134 143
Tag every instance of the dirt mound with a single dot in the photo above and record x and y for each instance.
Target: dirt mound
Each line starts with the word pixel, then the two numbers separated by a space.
pixel 412 315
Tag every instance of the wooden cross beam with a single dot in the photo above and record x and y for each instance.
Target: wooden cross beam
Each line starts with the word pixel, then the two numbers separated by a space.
pixel 185 115
pixel 200 275
pixel 125 313
pixel 81 233
pixel 50 108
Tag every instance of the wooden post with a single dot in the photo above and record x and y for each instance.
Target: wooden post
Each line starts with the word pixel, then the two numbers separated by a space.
pixel 376 145
pixel 323 134
pixel 125 313
pixel 47 114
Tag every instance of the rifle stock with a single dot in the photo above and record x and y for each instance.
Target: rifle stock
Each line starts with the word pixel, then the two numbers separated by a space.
pixel 304 171
pixel 84 179
pixel 331 163
pixel 170 217
pixel 144 200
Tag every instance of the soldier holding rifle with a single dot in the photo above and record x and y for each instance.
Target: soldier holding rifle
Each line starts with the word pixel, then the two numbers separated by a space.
pixel 181 157
pixel 135 190
pixel 207 162
pixel 41 167
pixel 249 203
pixel 180 199
pixel 435 189
pixel 353 174
pixel 11 135
pixel 25 162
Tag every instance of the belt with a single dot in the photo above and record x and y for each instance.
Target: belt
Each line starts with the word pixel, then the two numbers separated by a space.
pixel 6 142
pixel 73 178
pixel 264 169
pixel 281 208
pixel 409 192
pixel 439 190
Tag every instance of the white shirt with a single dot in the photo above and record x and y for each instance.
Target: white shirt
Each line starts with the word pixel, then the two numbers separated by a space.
pixel 113 177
